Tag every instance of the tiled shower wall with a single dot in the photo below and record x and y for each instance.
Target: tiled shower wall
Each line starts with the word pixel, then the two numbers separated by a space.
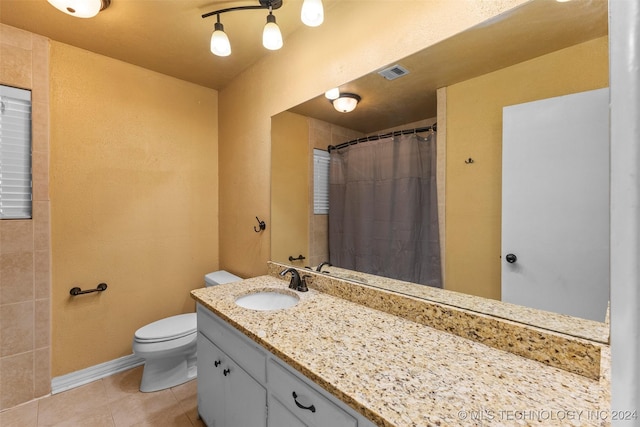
pixel 25 257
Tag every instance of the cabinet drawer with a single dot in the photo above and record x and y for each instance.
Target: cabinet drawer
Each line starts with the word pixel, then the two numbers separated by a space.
pixel 211 325
pixel 283 384
pixel 246 353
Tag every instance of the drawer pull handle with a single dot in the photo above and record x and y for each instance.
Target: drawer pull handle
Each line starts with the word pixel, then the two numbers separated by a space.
pixel 226 372
pixel 217 363
pixel 309 408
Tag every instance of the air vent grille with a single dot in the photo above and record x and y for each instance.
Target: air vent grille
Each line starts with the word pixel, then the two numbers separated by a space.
pixel 393 72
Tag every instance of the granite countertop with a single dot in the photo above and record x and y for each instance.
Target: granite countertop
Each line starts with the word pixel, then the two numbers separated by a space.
pixel 401 373
pixel 581 328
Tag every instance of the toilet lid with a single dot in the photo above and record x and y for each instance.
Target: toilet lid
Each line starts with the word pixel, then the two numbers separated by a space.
pixel 170 328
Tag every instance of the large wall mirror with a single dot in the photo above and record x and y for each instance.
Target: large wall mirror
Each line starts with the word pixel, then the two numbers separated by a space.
pixel 542 49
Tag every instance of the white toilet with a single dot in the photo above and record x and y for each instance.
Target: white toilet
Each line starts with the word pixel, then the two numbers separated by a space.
pixel 168 346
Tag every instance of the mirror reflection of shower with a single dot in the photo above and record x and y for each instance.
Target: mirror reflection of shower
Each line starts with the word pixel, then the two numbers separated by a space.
pixel 383 210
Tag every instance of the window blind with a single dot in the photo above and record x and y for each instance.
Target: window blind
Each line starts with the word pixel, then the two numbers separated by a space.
pixel 15 153
pixel 320 182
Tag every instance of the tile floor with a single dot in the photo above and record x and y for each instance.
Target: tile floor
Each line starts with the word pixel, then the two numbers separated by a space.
pixel 114 401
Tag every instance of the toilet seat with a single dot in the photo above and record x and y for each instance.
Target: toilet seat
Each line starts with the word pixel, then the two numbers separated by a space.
pixel 168 329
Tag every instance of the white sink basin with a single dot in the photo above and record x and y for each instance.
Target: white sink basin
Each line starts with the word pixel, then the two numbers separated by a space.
pixel 267 300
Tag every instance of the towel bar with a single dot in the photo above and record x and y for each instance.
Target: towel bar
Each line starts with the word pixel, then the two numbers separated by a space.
pixel 77 291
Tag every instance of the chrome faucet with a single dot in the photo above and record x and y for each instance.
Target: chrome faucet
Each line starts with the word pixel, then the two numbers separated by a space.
pixel 322 264
pixel 295 282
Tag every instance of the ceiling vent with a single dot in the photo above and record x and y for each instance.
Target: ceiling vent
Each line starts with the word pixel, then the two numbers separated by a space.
pixel 393 72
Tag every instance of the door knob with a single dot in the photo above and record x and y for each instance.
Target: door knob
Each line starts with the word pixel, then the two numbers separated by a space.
pixel 511 258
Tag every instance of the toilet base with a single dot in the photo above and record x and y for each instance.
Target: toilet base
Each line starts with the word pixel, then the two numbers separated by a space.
pixel 167 372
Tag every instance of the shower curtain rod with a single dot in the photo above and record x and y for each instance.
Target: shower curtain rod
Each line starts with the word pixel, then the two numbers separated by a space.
pixel 433 127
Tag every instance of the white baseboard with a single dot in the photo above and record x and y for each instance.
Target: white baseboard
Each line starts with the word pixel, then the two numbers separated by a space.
pixel 93 373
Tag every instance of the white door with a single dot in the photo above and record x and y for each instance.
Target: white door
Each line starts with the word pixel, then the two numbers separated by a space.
pixel 555 204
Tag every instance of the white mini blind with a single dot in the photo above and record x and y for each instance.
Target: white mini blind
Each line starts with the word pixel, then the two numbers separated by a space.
pixel 320 182
pixel 15 153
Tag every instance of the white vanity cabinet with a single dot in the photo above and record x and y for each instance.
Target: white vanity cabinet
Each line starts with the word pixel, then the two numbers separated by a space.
pixel 235 376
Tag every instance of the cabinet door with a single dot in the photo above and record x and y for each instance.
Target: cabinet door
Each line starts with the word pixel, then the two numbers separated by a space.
pixel 245 398
pixel 280 416
pixel 211 394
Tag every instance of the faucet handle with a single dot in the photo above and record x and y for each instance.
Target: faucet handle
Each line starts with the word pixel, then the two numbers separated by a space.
pixel 303 283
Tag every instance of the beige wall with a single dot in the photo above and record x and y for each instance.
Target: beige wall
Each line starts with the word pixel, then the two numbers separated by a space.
pixel 25 259
pixel 289 188
pixel 474 129
pixel 311 61
pixel 134 201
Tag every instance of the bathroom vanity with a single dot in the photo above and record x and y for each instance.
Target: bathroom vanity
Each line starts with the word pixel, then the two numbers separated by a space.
pixel 242 384
pixel 328 360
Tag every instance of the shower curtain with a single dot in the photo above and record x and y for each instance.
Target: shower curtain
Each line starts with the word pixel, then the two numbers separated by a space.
pixel 383 213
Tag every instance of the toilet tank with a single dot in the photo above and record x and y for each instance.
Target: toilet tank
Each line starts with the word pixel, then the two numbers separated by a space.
pixel 220 277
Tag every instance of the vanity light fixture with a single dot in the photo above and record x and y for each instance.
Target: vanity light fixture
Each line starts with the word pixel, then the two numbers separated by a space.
pixel 312 14
pixel 271 35
pixel 80 8
pixel 346 102
pixel 220 45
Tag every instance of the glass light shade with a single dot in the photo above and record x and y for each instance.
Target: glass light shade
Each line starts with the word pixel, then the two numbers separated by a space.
pixel 220 45
pixel 332 94
pixel 312 13
pixel 271 36
pixel 78 8
pixel 345 103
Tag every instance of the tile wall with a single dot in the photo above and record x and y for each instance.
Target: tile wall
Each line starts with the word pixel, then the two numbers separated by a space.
pixel 25 257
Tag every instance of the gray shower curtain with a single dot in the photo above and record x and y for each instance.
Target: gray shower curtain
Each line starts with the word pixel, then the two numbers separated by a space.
pixel 383 211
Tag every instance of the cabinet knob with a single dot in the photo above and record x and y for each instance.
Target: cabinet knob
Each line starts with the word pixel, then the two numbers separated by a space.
pixel 511 258
pixel 226 372
pixel 301 406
